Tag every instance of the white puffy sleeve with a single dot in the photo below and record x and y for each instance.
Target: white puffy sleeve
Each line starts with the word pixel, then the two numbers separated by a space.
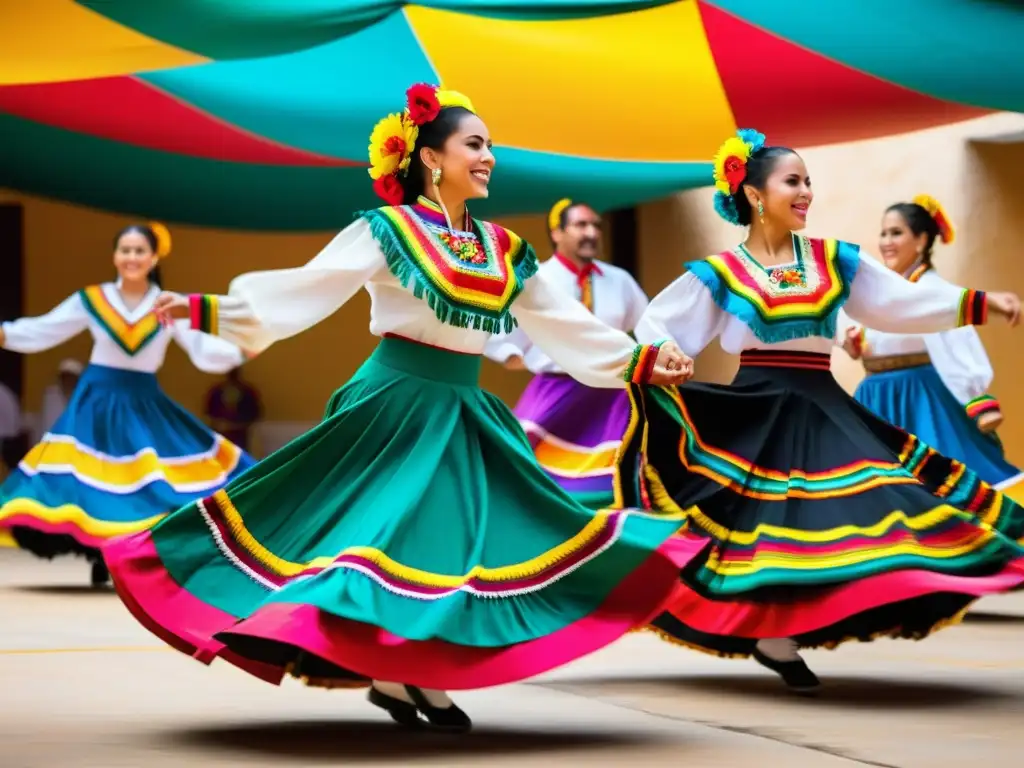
pixel 636 302
pixel 959 357
pixel 684 312
pixel 35 334
pixel 209 354
pixel 886 301
pixel 261 308
pixel 567 332
pixel 501 346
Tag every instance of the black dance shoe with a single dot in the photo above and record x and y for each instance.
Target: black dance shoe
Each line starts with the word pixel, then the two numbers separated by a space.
pixel 402 712
pixel 448 719
pixel 797 676
pixel 100 576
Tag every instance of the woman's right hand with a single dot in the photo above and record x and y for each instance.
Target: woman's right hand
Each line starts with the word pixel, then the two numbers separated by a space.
pixel 990 422
pixel 515 363
pixel 1006 304
pixel 170 306
pixel 852 343
pixel 673 366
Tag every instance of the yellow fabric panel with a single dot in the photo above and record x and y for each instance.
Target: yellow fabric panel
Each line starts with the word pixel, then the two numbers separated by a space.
pixel 637 86
pixel 45 41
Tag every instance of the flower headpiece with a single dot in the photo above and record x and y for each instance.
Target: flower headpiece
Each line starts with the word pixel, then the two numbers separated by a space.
pixel 730 169
pixel 163 239
pixel 555 214
pixel 946 232
pixel 393 139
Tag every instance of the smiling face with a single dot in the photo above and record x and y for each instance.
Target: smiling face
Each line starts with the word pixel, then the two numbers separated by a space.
pixel 133 256
pixel 898 246
pixel 787 194
pixel 465 160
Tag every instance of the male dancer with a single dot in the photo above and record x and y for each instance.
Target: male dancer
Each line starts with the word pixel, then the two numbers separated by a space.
pixel 556 411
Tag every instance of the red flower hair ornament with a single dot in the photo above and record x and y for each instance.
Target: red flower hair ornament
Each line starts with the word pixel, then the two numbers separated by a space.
pixel 393 139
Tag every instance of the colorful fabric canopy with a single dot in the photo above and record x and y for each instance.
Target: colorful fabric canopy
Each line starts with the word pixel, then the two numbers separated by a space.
pixel 257 114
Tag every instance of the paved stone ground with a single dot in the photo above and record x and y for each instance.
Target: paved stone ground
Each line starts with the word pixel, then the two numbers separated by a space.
pixel 83 686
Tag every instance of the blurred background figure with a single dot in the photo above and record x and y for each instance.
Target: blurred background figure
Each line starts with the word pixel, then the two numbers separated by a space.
pixel 12 439
pixel 233 407
pixel 935 386
pixel 57 395
pixel 574 429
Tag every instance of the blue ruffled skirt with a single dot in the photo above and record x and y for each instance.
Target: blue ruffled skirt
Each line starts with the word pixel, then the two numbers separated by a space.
pixel 120 457
pixel 917 400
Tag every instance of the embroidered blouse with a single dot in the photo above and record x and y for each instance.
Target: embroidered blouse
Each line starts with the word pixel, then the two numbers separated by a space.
pixel 795 306
pixel 131 340
pixel 615 299
pixel 429 287
pixel 958 355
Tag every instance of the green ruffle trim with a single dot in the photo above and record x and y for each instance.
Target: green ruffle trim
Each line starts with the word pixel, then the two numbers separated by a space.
pixel 410 273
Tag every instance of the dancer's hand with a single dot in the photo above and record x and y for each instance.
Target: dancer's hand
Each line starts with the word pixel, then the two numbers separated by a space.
pixel 672 367
pixel 515 363
pixel 851 344
pixel 990 422
pixel 170 306
pixel 1006 304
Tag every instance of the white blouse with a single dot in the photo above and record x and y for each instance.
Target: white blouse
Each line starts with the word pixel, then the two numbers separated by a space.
pixel 958 354
pixel 618 301
pixel 72 316
pixel 264 307
pixel 879 298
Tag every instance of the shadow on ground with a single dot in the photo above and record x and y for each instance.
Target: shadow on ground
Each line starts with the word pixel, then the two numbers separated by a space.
pixel 982 617
pixel 874 693
pixel 65 590
pixel 373 741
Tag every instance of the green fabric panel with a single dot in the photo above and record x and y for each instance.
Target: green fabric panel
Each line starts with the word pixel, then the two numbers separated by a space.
pixel 437 475
pixel 312 99
pixel 966 51
pixel 52 162
pixel 232 29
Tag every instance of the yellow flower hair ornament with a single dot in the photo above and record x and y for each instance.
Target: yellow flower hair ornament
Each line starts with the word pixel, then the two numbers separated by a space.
pixel 946 232
pixel 163 239
pixel 555 214
pixel 729 169
pixel 393 139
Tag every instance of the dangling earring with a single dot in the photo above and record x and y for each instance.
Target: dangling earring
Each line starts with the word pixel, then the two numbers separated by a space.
pixel 760 211
pixel 435 178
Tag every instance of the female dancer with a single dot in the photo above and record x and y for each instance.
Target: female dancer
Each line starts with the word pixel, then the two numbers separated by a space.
pixel 123 454
pixel 935 385
pixel 556 411
pixel 818 522
pixel 409 539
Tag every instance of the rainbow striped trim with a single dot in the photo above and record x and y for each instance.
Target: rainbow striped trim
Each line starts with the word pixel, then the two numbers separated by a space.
pixel 462 294
pixel 943 538
pixel 973 308
pixel 982 404
pixel 204 312
pixel 246 553
pixel 751 480
pixel 642 363
pixel 130 337
pixel 742 287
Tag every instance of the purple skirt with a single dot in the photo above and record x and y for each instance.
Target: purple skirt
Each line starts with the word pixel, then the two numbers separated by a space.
pixel 575 432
